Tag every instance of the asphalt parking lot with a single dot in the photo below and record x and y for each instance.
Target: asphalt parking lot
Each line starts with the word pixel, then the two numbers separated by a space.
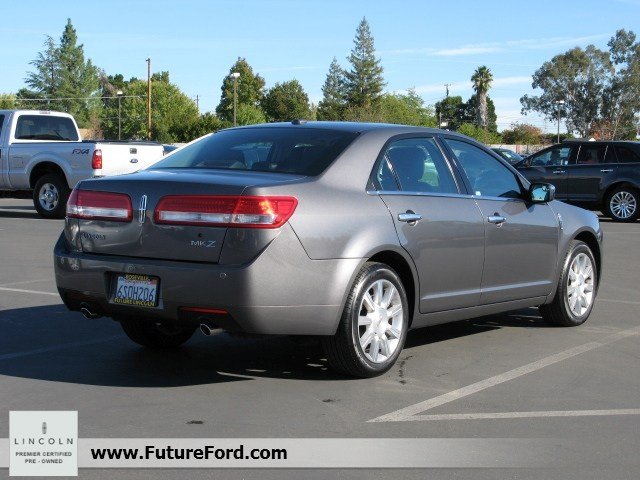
pixel 509 375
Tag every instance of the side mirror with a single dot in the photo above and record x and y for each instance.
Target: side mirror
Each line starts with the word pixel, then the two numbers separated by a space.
pixel 541 192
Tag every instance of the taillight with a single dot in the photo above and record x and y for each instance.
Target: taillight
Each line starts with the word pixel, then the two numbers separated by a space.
pixel 227 211
pixel 96 159
pixel 90 205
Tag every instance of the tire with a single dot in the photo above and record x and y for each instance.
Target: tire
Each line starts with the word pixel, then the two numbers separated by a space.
pixel 623 204
pixel 156 335
pixel 562 310
pixel 50 196
pixel 385 335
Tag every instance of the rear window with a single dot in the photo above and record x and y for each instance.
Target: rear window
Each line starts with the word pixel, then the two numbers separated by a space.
pixel 1 122
pixel 45 127
pixel 281 150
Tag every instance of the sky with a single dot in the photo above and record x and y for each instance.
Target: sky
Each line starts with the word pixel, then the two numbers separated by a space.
pixel 421 44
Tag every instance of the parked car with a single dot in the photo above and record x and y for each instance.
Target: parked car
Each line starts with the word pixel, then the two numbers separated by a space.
pixel 601 175
pixel 509 155
pixel 348 231
pixel 42 151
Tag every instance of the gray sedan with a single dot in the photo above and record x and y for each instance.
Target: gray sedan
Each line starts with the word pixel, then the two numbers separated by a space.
pixel 354 233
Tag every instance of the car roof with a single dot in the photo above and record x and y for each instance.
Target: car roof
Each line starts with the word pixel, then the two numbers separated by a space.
pixel 358 127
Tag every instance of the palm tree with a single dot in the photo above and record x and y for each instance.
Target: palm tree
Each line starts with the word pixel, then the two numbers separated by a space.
pixel 482 79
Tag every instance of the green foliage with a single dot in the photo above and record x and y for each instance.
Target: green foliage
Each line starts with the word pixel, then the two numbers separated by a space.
pixel 286 101
pixel 250 115
pixel 334 94
pixel 471 112
pixel 172 112
pixel 601 89
pixel 479 133
pixel 203 125
pixel 364 81
pixel 451 110
pixel 482 79
pixel 406 109
pixel 250 90
pixel 7 101
pixel 63 76
pixel 522 134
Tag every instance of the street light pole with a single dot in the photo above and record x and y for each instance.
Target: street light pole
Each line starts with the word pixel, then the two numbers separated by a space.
pixel 119 93
pixel 558 103
pixel 235 76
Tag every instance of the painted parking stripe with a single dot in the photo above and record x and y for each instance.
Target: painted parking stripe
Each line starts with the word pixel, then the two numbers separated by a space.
pixel 20 290
pixel 510 415
pixel 626 302
pixel 412 412
pixel 54 348
pixel 13 284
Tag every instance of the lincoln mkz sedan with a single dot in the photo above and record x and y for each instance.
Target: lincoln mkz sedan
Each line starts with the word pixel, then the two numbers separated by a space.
pixel 354 233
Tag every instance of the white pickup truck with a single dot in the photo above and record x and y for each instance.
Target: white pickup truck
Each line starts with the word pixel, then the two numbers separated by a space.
pixel 42 151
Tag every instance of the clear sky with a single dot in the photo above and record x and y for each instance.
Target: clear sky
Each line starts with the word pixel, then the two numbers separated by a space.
pixel 422 44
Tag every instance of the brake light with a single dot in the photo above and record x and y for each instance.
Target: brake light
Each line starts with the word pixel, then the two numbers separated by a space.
pixel 227 211
pixel 96 159
pixel 90 205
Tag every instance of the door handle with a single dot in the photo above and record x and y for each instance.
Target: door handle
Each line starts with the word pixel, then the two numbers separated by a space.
pixel 606 170
pixel 496 219
pixel 559 172
pixel 409 217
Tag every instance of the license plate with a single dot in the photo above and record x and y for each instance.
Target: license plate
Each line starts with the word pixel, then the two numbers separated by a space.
pixel 136 290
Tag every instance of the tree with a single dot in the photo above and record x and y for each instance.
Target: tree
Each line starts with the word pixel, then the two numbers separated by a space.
pixel 7 101
pixel 471 112
pixel 482 79
pixel 203 125
pixel 480 134
pixel 522 134
pixel 364 81
pixel 600 89
pixel 65 79
pixel 172 111
pixel 406 109
pixel 286 101
pixel 451 110
pixel 250 89
pixel 334 94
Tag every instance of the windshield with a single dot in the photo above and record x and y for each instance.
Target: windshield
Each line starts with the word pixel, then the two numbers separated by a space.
pixel 304 151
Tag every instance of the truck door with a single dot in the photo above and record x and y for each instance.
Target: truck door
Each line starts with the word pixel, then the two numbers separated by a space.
pixel 4 154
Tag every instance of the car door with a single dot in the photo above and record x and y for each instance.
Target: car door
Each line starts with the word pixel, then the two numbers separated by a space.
pixel 521 238
pixel 595 165
pixel 549 166
pixel 440 228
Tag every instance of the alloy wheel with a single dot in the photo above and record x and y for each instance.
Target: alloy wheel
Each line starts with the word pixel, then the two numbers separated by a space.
pixel 623 204
pixel 48 196
pixel 580 285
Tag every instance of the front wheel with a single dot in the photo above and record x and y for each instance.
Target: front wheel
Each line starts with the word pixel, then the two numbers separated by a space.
pixel 373 326
pixel 576 291
pixel 50 196
pixel 156 335
pixel 623 204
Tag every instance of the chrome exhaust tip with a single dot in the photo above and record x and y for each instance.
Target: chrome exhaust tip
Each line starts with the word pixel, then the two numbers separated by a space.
pixel 206 329
pixel 85 309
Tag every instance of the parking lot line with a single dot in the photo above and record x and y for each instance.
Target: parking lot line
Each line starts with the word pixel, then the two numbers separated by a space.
pixel 11 284
pixel 626 302
pixel 64 346
pixel 20 290
pixel 411 412
pixel 508 415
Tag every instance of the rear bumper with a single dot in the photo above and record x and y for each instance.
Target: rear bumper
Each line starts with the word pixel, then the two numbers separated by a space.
pixel 282 291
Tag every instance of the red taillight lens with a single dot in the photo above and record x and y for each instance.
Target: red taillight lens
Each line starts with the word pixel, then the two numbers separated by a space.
pixel 228 211
pixel 96 159
pixel 91 205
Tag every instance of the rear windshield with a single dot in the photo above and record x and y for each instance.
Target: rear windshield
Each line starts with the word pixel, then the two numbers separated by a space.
pixel 45 127
pixel 282 150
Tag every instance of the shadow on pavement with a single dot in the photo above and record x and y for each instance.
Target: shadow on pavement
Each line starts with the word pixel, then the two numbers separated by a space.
pixel 50 343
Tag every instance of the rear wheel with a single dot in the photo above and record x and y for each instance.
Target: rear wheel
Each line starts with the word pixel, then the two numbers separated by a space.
pixel 577 288
pixel 50 196
pixel 156 335
pixel 374 324
pixel 623 204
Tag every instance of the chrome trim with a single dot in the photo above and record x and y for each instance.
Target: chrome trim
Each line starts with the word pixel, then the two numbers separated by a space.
pixel 496 219
pixel 409 217
pixel 142 209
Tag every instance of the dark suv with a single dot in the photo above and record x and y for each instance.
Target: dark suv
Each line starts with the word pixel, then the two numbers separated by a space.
pixel 596 175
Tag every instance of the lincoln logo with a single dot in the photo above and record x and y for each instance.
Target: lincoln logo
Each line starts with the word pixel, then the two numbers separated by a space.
pixel 142 210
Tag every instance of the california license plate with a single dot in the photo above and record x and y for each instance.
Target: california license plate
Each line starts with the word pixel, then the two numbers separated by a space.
pixel 136 290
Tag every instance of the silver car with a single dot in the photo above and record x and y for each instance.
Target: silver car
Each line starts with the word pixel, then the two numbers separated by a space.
pixel 351 232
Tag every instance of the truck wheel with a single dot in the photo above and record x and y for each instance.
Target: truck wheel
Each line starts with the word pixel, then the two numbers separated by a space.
pixel 50 196
pixel 156 335
pixel 374 324
pixel 623 204
pixel 576 290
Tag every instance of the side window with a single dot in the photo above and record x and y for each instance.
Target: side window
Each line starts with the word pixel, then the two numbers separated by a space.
pixel 592 154
pixel 419 166
pixel 488 177
pixel 1 122
pixel 626 155
pixel 549 158
pixel 384 177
